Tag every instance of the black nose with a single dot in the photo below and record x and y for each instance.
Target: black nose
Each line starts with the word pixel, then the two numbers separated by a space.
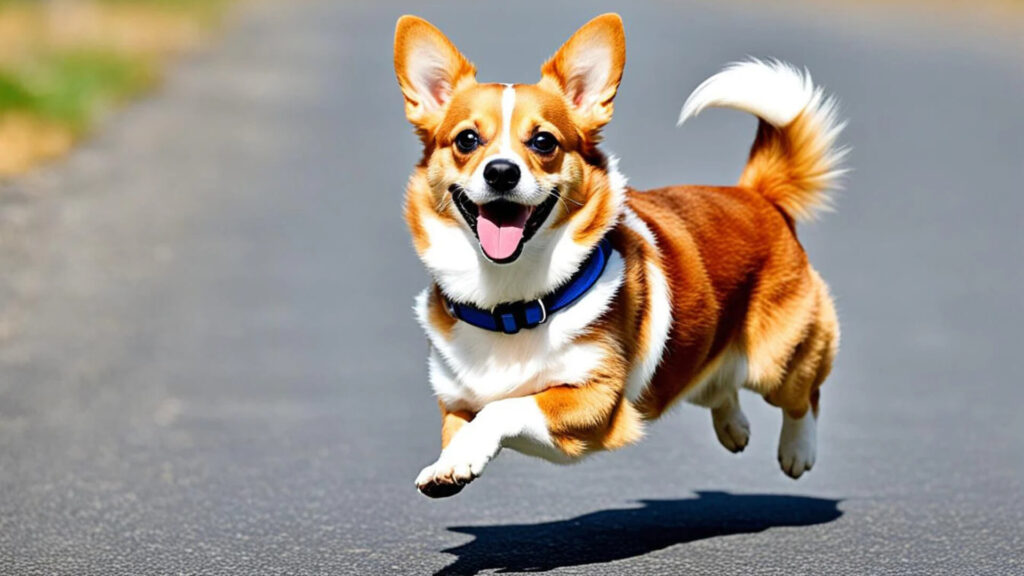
pixel 501 175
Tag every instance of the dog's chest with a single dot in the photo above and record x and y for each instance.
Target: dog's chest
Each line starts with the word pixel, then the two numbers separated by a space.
pixel 471 367
pixel 471 372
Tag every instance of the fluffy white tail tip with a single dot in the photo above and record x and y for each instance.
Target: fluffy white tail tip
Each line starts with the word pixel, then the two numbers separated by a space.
pixel 772 90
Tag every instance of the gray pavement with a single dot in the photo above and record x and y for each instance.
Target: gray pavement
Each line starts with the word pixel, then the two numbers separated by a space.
pixel 208 363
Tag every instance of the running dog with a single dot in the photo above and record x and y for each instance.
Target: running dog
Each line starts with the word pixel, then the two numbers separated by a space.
pixel 568 309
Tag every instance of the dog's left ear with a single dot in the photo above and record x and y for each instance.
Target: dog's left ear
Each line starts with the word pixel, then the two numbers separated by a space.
pixel 588 69
pixel 429 68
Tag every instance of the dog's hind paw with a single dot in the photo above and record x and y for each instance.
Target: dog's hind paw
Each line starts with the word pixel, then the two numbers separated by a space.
pixel 731 427
pixel 798 444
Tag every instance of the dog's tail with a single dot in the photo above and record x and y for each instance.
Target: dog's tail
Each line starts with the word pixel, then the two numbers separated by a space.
pixel 794 161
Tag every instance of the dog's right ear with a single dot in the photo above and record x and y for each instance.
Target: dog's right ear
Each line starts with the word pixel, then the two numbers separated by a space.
pixel 430 68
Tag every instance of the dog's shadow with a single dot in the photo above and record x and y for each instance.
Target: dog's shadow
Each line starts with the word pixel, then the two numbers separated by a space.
pixel 617 534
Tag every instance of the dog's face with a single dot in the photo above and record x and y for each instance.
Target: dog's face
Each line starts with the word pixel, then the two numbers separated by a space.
pixel 514 167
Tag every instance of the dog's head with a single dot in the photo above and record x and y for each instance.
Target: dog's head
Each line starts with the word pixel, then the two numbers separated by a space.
pixel 512 192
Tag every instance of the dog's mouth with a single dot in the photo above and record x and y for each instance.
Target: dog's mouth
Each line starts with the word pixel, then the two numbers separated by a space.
pixel 502 227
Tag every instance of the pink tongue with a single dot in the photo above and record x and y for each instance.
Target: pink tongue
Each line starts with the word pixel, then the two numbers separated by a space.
pixel 500 233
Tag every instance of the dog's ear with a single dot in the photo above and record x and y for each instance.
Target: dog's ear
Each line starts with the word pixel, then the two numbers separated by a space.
pixel 588 68
pixel 429 70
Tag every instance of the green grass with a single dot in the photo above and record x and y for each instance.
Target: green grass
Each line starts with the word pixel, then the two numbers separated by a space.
pixel 55 87
pixel 73 88
pixel 208 11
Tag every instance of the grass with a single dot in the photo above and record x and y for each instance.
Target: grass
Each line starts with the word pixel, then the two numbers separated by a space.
pixel 66 64
pixel 72 88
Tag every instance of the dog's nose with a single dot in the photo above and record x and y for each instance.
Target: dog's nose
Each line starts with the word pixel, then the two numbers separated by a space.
pixel 501 175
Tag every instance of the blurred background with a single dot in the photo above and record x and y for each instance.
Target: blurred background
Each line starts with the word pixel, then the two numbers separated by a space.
pixel 208 362
pixel 64 64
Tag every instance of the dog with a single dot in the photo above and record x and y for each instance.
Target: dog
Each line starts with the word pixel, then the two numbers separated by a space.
pixel 567 309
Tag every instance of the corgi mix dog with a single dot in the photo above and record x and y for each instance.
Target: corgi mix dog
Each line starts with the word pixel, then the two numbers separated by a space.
pixel 568 309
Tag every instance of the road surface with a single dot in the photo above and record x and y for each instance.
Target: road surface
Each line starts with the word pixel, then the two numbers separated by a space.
pixel 208 362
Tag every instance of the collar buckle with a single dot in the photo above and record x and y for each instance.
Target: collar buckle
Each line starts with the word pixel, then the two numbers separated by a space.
pixel 509 317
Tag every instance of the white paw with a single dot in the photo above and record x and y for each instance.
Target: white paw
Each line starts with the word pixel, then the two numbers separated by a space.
pixel 798 444
pixel 731 427
pixel 461 463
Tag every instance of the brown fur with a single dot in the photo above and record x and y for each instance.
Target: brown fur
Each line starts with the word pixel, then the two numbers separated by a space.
pixel 739 278
pixel 451 423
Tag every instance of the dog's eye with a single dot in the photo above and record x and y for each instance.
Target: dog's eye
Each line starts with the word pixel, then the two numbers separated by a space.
pixel 543 143
pixel 467 141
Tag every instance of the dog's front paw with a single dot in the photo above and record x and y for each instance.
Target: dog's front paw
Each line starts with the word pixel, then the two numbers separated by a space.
pixel 436 482
pixel 442 479
pixel 459 464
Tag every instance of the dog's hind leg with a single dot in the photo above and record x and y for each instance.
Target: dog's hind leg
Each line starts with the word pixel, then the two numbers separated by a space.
pixel 720 393
pixel 799 391
pixel 731 424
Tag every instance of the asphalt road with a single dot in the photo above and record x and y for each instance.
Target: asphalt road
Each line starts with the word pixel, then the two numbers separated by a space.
pixel 208 363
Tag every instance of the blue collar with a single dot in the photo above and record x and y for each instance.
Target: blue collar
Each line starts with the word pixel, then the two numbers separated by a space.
pixel 511 317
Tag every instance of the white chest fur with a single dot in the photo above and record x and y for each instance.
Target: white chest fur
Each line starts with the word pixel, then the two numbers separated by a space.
pixel 472 367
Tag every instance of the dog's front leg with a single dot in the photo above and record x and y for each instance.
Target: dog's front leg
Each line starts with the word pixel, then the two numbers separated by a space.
pixel 470 442
pixel 560 424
